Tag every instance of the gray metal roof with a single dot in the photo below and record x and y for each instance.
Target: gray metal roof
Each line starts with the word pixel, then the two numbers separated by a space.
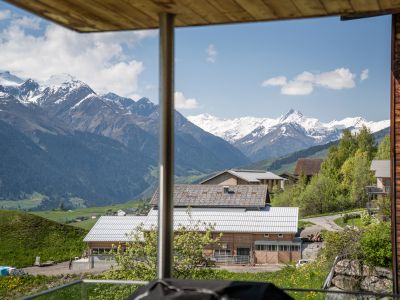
pixel 114 228
pixel 381 168
pixel 270 220
pixel 197 195
pixel 253 176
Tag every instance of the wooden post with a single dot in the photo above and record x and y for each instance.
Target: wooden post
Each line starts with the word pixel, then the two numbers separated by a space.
pixel 395 146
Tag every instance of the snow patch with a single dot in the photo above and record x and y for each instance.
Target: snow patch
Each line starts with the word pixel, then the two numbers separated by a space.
pixel 83 100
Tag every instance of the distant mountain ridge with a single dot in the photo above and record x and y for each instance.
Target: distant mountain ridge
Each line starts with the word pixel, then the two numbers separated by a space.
pixel 266 138
pixel 102 148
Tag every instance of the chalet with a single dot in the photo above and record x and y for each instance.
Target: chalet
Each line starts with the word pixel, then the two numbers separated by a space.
pixel 248 236
pixel 308 167
pixel 381 169
pixel 249 197
pixel 246 177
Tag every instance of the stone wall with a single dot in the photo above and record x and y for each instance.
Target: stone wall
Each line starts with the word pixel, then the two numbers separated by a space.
pixel 353 275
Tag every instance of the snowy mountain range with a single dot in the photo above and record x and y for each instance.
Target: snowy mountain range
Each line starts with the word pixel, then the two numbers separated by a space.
pixel 263 138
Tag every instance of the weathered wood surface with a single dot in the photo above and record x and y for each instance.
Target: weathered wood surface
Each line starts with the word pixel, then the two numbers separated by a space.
pixel 113 15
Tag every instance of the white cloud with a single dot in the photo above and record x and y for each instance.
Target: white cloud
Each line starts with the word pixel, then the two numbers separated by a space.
pixel 337 80
pixel 5 14
pixel 26 22
pixel 304 83
pixel 275 81
pixel 181 102
pixel 211 53
pixel 99 59
pixel 364 75
pixel 297 88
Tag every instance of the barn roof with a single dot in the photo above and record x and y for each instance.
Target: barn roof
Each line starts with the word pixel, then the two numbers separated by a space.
pixel 197 195
pixel 308 166
pixel 269 220
pixel 114 15
pixel 114 228
pixel 251 176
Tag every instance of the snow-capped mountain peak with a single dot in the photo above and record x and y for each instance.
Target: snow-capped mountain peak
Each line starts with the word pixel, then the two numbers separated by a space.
pixel 291 116
pixel 59 80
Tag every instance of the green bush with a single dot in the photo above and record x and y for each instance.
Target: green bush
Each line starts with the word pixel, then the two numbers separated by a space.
pixel 346 242
pixel 376 245
pixel 372 244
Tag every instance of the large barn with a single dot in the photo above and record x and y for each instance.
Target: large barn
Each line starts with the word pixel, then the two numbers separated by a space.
pixel 248 236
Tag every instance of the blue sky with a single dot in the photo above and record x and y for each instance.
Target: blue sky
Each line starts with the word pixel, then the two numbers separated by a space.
pixel 323 67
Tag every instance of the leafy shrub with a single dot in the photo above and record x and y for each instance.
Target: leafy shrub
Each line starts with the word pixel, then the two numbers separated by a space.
pixel 376 245
pixel 372 244
pixel 346 242
pixel 366 218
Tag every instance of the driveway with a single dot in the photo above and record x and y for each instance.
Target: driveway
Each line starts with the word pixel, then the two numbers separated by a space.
pixel 325 222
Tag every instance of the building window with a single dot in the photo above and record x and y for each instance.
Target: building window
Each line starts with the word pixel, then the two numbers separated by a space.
pixel 266 235
pixel 284 248
pixel 222 252
pixel 270 248
pixel 280 235
pixel 295 248
pixel 261 247
pixel 101 250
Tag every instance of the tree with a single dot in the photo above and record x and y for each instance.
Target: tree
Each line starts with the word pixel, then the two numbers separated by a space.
pixel 366 143
pixel 361 177
pixel 321 196
pixel 139 259
pixel 384 149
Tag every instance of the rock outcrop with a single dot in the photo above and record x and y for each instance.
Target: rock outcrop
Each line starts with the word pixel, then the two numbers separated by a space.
pixel 353 275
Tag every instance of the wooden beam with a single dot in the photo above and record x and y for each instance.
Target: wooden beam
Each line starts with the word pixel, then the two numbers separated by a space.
pixel 394 146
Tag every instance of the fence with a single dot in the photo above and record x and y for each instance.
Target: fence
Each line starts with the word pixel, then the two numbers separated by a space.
pixel 232 259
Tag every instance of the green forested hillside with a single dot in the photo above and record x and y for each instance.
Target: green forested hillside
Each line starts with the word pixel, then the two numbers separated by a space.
pixel 343 177
pixel 24 236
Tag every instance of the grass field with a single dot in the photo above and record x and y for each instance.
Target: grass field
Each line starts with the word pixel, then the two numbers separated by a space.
pixel 25 236
pixel 352 222
pixel 66 216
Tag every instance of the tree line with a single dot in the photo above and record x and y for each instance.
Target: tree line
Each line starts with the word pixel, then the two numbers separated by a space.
pixel 342 180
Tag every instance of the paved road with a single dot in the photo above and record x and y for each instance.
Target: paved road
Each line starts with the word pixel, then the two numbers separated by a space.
pixel 326 222
pixel 252 269
pixel 60 269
